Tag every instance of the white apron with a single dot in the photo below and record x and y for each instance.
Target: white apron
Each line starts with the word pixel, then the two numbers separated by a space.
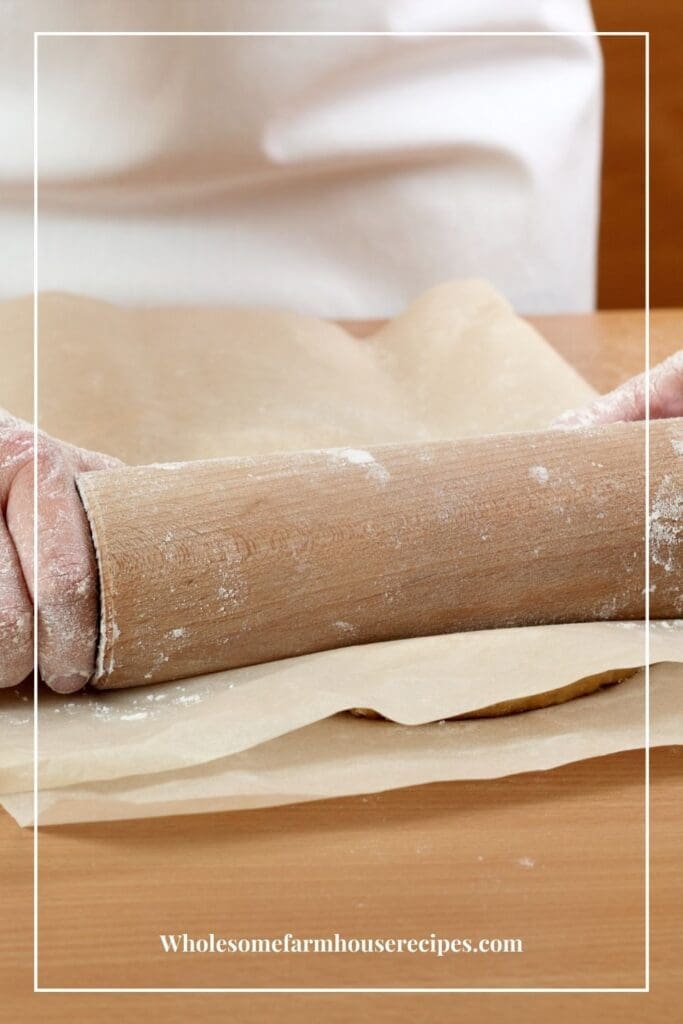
pixel 337 176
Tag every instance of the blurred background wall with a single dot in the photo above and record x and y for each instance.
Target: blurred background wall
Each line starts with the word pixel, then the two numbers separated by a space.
pixel 622 238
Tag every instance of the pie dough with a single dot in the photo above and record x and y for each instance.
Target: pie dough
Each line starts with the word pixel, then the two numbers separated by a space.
pixel 581 688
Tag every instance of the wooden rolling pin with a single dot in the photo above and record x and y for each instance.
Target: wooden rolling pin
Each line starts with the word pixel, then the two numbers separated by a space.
pixel 212 565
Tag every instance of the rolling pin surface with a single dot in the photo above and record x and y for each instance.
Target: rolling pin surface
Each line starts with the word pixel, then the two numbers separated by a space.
pixel 212 565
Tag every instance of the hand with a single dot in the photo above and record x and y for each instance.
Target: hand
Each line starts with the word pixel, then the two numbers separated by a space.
pixel 629 401
pixel 67 573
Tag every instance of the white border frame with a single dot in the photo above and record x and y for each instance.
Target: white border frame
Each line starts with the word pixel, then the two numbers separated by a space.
pixel 646 988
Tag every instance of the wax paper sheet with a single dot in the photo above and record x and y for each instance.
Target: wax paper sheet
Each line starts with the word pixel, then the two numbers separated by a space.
pixel 343 756
pixel 177 384
pixel 108 734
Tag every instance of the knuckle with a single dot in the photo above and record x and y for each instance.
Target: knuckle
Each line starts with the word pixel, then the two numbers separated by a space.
pixel 667 387
pixel 49 460
pixel 66 585
pixel 16 448
pixel 676 363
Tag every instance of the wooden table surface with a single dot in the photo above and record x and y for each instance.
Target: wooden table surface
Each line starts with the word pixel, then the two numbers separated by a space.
pixel 554 858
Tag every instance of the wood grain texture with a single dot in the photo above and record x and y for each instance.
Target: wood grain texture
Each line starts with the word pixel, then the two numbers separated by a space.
pixel 622 238
pixel 107 889
pixel 451 858
pixel 213 565
pixel 601 345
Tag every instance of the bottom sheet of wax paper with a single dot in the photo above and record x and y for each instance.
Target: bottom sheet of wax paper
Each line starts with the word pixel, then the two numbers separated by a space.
pixel 105 735
pixel 343 756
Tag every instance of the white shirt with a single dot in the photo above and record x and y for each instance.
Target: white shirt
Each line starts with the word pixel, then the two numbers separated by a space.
pixel 336 175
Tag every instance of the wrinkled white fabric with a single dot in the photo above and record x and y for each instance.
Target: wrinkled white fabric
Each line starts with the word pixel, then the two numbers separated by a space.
pixel 337 176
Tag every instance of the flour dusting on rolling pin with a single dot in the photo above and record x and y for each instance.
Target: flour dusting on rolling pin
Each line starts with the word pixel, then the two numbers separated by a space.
pixel 211 565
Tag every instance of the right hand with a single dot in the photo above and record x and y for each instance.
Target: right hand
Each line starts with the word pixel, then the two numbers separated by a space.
pixel 67 572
